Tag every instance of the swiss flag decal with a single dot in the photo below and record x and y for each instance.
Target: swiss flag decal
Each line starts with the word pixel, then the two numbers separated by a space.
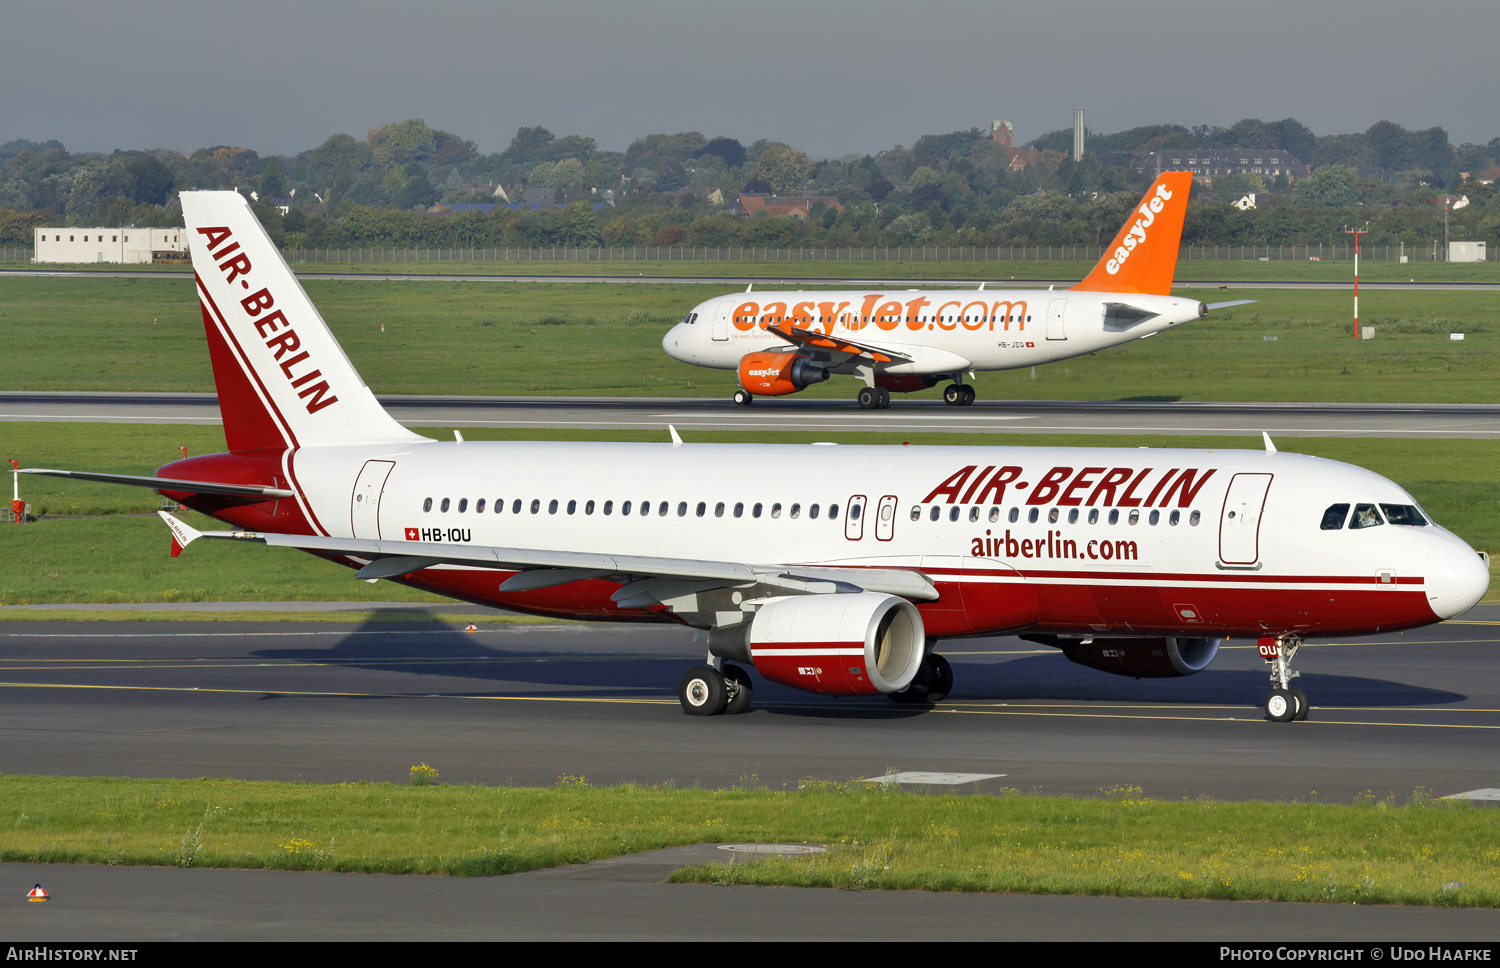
pixel 412 534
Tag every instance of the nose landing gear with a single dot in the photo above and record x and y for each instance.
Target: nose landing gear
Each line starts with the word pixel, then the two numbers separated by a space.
pixel 1283 703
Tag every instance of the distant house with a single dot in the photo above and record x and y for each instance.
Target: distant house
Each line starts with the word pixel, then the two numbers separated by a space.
pixel 782 206
pixel 1002 134
pixel 1208 163
pixel 1248 201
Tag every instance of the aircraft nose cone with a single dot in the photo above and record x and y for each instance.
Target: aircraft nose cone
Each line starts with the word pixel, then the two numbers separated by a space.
pixel 669 342
pixel 1456 578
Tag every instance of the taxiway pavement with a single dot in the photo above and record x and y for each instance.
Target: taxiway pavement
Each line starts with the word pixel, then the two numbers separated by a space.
pixel 1422 421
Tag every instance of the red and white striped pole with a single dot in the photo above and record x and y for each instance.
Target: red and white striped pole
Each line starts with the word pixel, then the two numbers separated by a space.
pixel 1356 233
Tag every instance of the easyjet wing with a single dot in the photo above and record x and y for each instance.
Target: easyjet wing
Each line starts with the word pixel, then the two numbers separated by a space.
pixel 839 344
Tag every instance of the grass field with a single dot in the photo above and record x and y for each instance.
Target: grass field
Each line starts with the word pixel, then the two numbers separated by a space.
pixel 1376 852
pixel 145 334
pixel 106 545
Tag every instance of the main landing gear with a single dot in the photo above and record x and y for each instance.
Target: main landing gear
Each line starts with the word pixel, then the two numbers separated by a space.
pixel 874 398
pixel 1283 703
pixel 706 691
pixel 744 397
pixel 933 682
pixel 958 395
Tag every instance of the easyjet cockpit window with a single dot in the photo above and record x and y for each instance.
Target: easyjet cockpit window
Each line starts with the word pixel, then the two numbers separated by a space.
pixel 1406 514
pixel 1365 516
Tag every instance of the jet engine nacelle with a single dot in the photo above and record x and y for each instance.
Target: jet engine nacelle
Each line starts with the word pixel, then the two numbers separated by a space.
pixel 777 374
pixel 839 645
pixel 1163 658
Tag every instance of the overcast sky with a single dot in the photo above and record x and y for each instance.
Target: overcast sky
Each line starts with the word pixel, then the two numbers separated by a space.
pixel 830 77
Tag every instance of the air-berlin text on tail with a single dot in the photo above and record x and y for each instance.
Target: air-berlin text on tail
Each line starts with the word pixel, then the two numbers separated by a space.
pixel 1124 487
pixel 274 329
pixel 885 312
pixel 1137 233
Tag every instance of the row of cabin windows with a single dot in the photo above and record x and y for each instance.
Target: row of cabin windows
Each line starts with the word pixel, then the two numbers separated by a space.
pixel 642 509
pixel 1055 515
pixel 1369 516
pixel 814 511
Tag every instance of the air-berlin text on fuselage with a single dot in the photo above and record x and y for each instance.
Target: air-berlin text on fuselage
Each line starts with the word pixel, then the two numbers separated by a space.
pixel 885 312
pixel 1136 234
pixel 1110 487
pixel 273 327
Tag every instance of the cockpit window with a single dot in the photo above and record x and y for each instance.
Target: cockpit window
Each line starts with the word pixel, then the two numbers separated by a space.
pixel 1404 514
pixel 1365 516
pixel 1333 518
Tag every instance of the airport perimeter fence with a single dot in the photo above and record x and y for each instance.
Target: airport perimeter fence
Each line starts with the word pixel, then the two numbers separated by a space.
pixel 909 253
pixel 925 253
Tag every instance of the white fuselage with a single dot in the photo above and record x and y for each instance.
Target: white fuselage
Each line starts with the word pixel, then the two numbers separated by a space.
pixel 931 332
pixel 1122 541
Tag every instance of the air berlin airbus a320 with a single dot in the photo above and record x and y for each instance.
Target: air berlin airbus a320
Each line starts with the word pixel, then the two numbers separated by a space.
pixel 783 342
pixel 833 569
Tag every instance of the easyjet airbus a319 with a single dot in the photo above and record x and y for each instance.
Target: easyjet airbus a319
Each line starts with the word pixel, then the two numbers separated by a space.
pixel 833 569
pixel 783 342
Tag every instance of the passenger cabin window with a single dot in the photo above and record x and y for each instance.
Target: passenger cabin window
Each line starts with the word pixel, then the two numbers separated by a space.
pixel 1333 518
pixel 1365 516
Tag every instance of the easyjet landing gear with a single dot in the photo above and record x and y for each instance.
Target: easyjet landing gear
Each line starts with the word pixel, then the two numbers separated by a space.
pixel 705 691
pixel 933 682
pixel 874 398
pixel 744 397
pixel 1283 703
pixel 958 395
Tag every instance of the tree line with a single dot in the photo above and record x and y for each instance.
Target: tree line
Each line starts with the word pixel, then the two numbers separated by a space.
pixel 945 189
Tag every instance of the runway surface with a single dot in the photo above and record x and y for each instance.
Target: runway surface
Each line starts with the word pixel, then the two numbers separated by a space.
pixel 1478 421
pixel 525 704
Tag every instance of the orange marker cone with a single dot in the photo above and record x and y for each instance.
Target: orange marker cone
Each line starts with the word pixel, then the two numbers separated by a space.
pixel 472 628
pixel 37 894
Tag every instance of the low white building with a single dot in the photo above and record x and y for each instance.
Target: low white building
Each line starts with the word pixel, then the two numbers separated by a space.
pixel 1466 252
pixel 107 244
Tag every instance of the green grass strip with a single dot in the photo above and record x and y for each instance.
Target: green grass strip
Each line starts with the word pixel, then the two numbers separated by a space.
pixel 1374 852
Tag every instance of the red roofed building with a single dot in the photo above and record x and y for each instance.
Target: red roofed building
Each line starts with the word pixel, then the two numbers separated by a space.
pixel 779 206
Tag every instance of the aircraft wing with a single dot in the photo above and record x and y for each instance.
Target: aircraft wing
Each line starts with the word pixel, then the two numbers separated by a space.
pixel 166 483
pixel 838 344
pixel 538 568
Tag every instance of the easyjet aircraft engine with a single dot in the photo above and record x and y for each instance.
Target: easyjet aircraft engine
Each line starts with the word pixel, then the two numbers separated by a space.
pixel 777 374
pixel 1166 657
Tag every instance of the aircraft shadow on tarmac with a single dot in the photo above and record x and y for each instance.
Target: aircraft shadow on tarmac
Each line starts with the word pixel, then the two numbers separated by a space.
pixel 543 664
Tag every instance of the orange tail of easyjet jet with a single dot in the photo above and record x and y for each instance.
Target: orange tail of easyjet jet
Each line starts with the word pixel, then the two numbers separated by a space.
pixel 1143 256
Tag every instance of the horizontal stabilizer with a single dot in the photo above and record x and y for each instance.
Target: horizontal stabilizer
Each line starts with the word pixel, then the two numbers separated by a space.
pixel 167 483
pixel 1236 302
